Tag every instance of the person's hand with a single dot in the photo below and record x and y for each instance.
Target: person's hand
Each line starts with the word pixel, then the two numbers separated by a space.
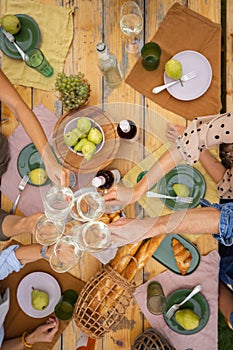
pixel 173 131
pixel 59 175
pixel 44 333
pixel 118 196
pixel 125 231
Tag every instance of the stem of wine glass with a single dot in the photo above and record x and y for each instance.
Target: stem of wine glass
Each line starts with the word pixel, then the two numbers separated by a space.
pixel 133 44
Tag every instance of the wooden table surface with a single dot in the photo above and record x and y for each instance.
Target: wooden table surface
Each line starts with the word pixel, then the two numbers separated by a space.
pixel 95 21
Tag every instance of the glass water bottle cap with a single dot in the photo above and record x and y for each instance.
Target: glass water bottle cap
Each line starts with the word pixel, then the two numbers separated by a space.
pixel 100 47
pixel 125 125
pixel 98 181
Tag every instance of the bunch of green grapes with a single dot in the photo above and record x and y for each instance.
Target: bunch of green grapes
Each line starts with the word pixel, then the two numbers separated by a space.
pixel 74 90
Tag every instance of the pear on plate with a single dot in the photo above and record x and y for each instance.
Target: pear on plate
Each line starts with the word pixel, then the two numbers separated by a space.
pixel 39 299
pixel 38 176
pixel 187 318
pixel 11 24
pixel 181 190
pixel 173 69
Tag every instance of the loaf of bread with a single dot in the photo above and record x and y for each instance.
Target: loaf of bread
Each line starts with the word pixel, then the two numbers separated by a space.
pixel 142 256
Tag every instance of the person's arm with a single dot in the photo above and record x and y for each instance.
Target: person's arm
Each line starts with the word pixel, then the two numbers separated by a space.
pixel 226 303
pixel 44 333
pixel 192 221
pixel 13 225
pixel 10 97
pixel 30 253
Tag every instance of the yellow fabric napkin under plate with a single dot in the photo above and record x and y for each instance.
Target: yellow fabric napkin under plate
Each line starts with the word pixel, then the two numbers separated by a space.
pixel 155 207
pixel 56 28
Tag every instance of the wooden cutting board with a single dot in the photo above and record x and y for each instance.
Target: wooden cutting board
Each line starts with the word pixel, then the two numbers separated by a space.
pixel 101 159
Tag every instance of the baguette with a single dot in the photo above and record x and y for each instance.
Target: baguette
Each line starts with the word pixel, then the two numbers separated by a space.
pixel 142 256
pixel 122 258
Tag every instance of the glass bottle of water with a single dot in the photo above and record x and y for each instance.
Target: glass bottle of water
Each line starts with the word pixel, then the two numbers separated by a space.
pixel 109 66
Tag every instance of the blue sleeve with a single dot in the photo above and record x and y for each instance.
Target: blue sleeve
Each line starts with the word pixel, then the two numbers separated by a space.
pixel 225 235
pixel 8 262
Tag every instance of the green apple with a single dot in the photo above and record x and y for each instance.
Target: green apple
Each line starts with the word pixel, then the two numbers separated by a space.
pixel 11 24
pixel 39 299
pixel 70 138
pixel 173 69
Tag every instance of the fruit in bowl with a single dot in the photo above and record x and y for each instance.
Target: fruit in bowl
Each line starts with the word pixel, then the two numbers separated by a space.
pixel 84 136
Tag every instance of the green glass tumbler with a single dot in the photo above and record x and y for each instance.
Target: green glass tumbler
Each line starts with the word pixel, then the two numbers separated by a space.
pixel 65 307
pixel 36 60
pixel 151 53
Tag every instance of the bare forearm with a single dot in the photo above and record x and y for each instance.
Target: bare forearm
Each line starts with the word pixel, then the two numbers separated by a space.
pixel 166 162
pixel 14 225
pixel 13 344
pixel 29 253
pixel 213 166
pixel 192 221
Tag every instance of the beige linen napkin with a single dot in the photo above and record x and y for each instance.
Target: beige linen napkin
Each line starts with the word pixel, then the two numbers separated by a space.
pixel 207 276
pixel 183 29
pixel 56 28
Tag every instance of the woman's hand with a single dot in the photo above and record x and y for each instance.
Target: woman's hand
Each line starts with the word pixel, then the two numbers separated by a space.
pixel 44 333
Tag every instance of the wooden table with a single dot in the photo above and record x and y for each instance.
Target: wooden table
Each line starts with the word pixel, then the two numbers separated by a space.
pixel 93 21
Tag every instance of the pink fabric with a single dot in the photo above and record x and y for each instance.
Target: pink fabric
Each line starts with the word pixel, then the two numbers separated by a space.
pixel 207 276
pixel 31 198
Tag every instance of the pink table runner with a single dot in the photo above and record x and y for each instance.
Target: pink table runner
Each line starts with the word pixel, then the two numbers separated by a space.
pixel 207 275
pixel 31 198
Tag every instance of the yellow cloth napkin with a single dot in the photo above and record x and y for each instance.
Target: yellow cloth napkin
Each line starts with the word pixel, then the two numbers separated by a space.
pixel 153 206
pixel 56 28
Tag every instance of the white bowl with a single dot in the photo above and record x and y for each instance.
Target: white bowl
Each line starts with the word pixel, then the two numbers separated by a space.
pixel 73 124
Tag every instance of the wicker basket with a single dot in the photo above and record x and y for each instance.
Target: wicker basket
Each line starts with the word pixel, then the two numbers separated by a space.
pixel 151 339
pixel 102 303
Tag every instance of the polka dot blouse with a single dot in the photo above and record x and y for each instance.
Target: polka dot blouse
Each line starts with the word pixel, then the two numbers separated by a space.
pixel 204 133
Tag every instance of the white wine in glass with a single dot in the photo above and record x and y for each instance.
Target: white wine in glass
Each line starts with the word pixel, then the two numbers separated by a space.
pixel 131 23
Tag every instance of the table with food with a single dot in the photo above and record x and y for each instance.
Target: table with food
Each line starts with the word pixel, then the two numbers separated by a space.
pixel 104 79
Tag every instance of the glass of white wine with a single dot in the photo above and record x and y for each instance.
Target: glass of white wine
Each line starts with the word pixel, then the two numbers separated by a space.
pixel 131 23
pixel 88 206
pixel 93 236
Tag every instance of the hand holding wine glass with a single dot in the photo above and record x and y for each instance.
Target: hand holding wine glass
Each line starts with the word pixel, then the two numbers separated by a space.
pixel 131 23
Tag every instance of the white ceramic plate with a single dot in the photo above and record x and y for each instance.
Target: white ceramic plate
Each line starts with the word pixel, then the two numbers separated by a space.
pixel 42 281
pixel 194 88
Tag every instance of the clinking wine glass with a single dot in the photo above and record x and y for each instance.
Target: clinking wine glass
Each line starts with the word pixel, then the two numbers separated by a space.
pixel 88 206
pixel 92 236
pixel 58 202
pixel 66 254
pixel 131 23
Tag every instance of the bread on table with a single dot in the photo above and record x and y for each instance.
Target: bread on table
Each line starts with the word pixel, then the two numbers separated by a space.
pixel 182 256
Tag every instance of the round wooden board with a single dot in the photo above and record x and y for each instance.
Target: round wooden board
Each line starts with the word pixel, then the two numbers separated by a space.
pixel 101 159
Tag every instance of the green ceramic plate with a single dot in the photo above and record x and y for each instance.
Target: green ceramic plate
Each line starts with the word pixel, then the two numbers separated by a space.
pixel 165 256
pixel 30 159
pixel 27 38
pixel 186 175
pixel 197 303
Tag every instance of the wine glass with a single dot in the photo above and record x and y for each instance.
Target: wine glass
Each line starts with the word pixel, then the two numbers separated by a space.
pixel 131 23
pixel 93 236
pixel 47 232
pixel 58 202
pixel 66 254
pixel 88 206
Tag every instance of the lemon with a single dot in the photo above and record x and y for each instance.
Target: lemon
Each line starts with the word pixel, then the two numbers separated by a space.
pixel 187 318
pixel 38 176
pixel 181 190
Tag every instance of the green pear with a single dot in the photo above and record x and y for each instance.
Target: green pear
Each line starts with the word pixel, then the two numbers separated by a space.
pixel 173 69
pixel 187 318
pixel 70 138
pixel 88 150
pixel 79 133
pixel 95 136
pixel 11 24
pixel 84 124
pixel 181 190
pixel 80 144
pixel 39 299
